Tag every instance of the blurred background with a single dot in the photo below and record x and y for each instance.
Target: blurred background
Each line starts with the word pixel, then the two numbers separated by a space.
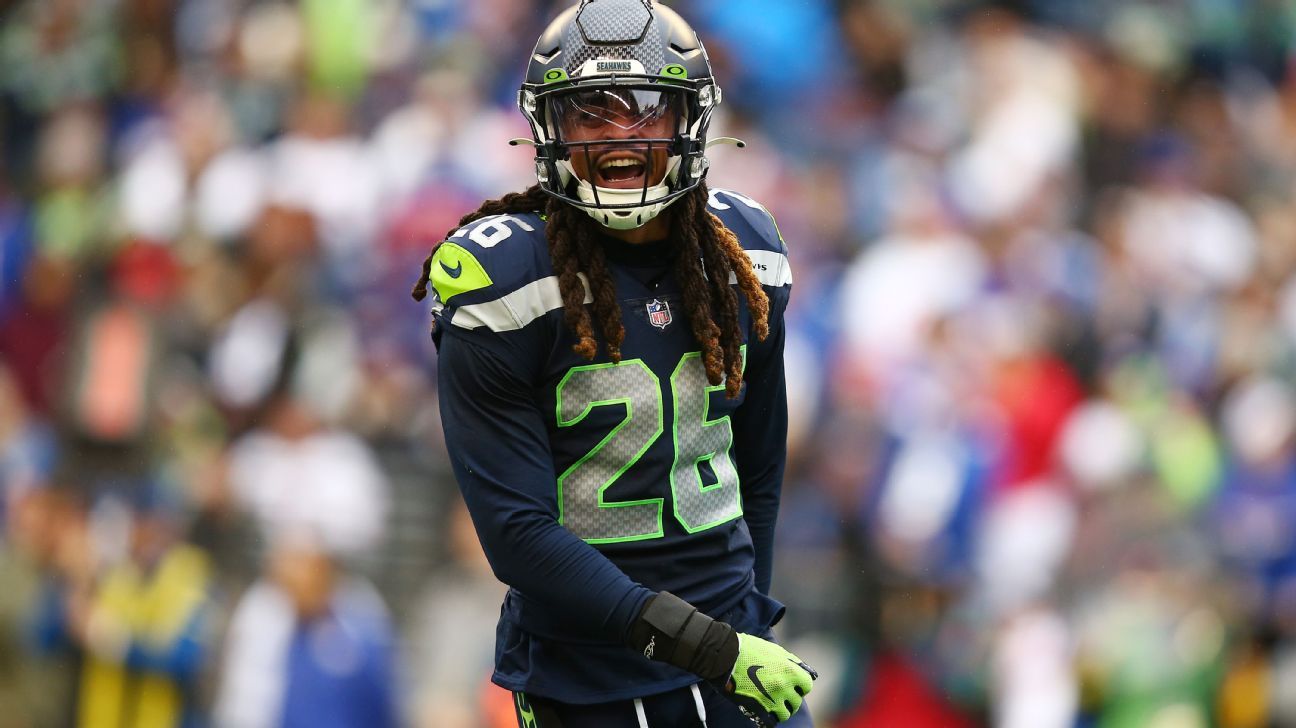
pixel 1041 355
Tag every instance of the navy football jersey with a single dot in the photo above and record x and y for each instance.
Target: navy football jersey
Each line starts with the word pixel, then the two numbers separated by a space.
pixel 593 485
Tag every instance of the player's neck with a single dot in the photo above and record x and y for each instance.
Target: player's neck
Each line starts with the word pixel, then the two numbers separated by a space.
pixel 657 229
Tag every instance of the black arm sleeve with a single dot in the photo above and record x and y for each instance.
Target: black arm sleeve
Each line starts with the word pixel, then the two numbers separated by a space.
pixel 671 630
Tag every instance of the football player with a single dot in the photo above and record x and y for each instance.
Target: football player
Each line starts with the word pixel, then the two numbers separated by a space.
pixel 611 382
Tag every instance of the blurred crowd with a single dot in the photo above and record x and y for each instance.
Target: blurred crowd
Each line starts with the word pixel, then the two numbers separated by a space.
pixel 1042 355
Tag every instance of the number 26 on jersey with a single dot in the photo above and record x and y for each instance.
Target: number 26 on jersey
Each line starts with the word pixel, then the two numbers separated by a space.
pixel 582 506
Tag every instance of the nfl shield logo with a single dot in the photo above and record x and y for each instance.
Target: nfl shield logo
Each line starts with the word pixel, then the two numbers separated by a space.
pixel 659 314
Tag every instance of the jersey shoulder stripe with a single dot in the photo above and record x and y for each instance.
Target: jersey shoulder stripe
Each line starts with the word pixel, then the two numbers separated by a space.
pixel 771 269
pixel 513 311
pixel 757 233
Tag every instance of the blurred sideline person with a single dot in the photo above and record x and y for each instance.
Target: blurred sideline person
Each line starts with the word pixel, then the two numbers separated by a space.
pixel 142 626
pixel 308 645
pixel 44 558
pixel 612 387
pixel 447 656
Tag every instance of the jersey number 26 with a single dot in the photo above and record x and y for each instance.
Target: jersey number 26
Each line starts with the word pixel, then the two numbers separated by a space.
pixel 582 508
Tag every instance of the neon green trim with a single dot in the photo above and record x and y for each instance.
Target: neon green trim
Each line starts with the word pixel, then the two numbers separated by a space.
pixel 525 713
pixel 659 502
pixel 777 232
pixel 555 75
pixel 675 70
pixel 455 271
pixel 770 215
pixel 675 440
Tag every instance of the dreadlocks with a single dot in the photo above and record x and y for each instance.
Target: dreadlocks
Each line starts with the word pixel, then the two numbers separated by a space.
pixel 707 256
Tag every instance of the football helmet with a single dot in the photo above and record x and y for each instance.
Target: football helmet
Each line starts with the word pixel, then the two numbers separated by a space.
pixel 619 95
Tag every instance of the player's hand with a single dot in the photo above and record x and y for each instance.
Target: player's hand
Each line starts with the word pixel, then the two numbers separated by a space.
pixel 768 682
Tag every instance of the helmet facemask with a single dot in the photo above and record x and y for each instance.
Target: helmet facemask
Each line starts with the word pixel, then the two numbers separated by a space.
pixel 617 145
pixel 621 148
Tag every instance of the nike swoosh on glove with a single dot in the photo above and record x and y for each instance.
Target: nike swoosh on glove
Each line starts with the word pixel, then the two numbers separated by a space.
pixel 768 682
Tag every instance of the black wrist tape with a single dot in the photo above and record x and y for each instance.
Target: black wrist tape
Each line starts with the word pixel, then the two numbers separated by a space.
pixel 673 631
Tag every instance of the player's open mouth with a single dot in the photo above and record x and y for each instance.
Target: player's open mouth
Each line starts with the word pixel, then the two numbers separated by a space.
pixel 621 170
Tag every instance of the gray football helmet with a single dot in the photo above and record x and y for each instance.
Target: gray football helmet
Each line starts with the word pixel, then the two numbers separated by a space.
pixel 619 96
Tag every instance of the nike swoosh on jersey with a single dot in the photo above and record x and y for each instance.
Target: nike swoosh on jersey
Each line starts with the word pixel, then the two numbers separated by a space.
pixel 454 272
pixel 751 675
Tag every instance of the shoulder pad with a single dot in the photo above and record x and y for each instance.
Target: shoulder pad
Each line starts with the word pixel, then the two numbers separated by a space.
pixel 757 233
pixel 495 272
pixel 490 257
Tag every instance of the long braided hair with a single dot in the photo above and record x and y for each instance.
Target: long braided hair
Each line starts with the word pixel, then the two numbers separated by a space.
pixel 706 254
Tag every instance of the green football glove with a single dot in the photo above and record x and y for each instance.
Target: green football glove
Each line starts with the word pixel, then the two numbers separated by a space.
pixel 768 682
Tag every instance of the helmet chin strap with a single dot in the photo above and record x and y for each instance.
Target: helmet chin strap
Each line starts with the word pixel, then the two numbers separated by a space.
pixel 624 218
pixel 627 218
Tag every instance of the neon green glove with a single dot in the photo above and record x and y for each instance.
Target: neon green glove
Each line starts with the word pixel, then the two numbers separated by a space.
pixel 768 682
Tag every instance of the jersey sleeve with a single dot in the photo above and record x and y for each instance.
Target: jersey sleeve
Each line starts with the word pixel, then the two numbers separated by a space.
pixel 494 275
pixel 499 450
pixel 760 437
pixel 760 425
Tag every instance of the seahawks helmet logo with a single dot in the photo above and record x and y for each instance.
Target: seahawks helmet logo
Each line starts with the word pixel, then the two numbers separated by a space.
pixel 614 67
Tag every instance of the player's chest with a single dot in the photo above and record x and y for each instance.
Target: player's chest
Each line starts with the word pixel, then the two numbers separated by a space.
pixel 642 439
pixel 659 385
